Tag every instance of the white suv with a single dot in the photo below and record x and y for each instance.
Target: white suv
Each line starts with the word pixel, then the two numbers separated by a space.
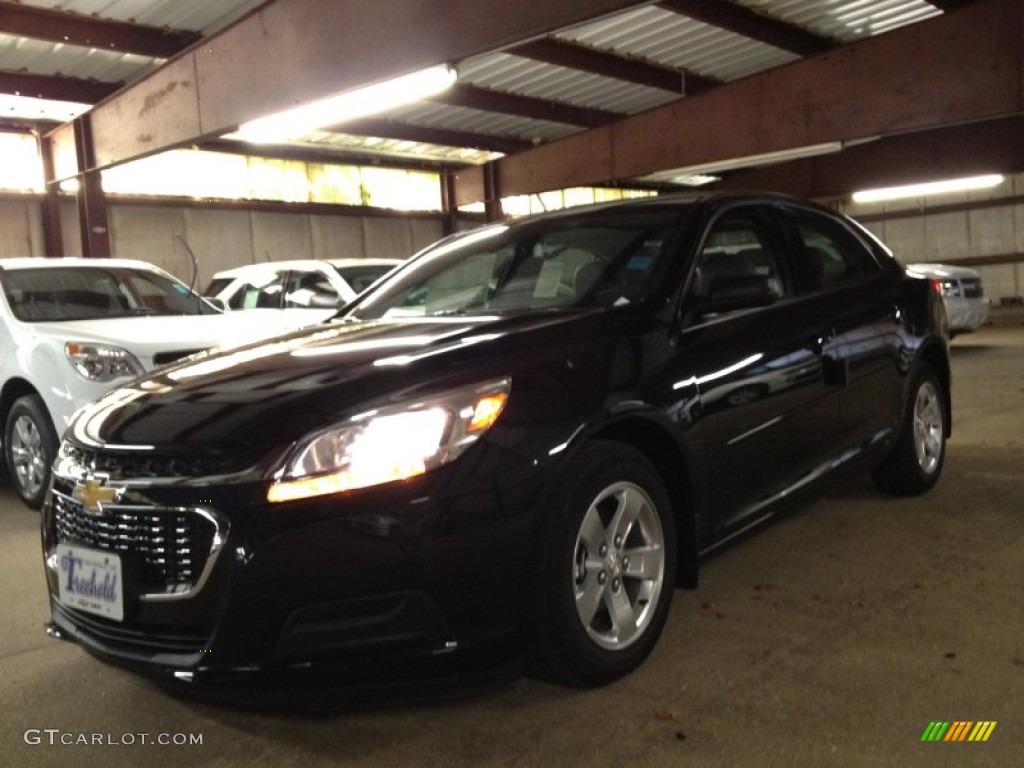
pixel 313 286
pixel 72 328
pixel 962 294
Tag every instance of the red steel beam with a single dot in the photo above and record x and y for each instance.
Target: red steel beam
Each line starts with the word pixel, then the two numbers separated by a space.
pixel 586 59
pixel 290 52
pixel 487 100
pixel 995 146
pixel 74 29
pixel 959 67
pixel 57 88
pixel 743 21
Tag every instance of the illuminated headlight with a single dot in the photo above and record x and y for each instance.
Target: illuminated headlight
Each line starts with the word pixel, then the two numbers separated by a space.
pixel 388 444
pixel 102 362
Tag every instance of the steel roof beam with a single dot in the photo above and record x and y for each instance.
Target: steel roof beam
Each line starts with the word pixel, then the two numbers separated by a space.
pixel 55 87
pixel 954 68
pixel 586 59
pixel 948 5
pixel 326 155
pixel 74 29
pixel 390 129
pixel 289 52
pixel 486 100
pixel 933 155
pixel 743 21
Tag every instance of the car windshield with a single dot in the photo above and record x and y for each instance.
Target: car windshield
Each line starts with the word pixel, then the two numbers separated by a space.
pixel 611 259
pixel 362 276
pixel 88 293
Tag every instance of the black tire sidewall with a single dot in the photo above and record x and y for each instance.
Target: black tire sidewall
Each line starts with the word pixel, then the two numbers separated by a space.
pixel 900 472
pixel 33 407
pixel 572 656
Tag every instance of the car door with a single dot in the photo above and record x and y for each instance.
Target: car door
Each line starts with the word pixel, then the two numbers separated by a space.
pixel 765 407
pixel 864 353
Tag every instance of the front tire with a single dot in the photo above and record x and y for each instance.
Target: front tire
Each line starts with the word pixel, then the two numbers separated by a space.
pixel 915 463
pixel 605 571
pixel 30 446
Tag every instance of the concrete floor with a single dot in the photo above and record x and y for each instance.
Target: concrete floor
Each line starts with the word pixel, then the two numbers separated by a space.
pixel 831 638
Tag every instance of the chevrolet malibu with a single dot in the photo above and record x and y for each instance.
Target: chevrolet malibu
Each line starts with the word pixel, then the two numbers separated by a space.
pixel 515 447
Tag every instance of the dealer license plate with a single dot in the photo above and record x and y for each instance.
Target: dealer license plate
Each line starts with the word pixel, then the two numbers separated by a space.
pixel 90 580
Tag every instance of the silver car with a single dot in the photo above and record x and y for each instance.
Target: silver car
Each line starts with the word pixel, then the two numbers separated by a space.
pixel 962 294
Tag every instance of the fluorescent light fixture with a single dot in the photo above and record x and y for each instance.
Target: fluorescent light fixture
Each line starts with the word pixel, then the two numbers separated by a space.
pixel 351 105
pixel 31 108
pixel 695 179
pixel 928 188
pixel 688 174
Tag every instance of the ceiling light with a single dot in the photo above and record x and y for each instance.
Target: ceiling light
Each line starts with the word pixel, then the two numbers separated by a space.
pixel 695 179
pixel 351 105
pixel 929 188
pixel 40 109
pixel 677 175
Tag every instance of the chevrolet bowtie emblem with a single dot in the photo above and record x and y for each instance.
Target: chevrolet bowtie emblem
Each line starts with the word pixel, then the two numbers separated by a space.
pixel 94 492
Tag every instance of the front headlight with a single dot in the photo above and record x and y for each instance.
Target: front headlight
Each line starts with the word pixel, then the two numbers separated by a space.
pixel 392 443
pixel 102 362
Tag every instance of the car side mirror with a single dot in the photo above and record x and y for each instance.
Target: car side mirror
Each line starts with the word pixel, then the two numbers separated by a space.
pixel 728 293
pixel 325 301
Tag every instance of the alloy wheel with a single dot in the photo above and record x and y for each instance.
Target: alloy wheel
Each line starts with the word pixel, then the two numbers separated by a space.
pixel 27 455
pixel 928 428
pixel 618 566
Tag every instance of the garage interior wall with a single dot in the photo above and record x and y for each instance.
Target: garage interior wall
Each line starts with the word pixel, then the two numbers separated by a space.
pixel 220 238
pixel 983 230
pixel 973 229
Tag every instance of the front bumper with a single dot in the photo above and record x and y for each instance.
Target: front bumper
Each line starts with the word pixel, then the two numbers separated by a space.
pixel 965 314
pixel 411 579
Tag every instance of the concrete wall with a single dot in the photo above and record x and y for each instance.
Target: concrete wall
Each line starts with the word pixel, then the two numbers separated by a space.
pixel 220 238
pixel 931 229
pixel 21 229
pixel 941 228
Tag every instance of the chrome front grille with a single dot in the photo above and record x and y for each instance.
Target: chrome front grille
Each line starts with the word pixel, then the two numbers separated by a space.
pixel 164 358
pixel 172 549
pixel 146 464
pixel 971 287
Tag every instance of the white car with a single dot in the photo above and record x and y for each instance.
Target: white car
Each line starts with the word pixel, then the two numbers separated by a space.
pixel 73 328
pixel 309 285
pixel 962 294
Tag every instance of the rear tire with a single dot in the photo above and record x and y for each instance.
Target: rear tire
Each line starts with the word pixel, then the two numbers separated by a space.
pixel 605 568
pixel 30 446
pixel 916 460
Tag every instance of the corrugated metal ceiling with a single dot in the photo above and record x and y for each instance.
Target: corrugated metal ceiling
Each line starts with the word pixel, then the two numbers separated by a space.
pixel 649 34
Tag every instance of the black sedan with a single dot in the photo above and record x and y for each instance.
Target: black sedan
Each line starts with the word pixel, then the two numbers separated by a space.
pixel 515 447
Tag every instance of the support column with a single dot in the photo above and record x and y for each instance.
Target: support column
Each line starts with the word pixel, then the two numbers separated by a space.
pixel 53 236
pixel 448 205
pixel 492 194
pixel 92 203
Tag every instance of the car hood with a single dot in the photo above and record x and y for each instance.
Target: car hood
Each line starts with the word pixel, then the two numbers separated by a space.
pixel 148 335
pixel 248 400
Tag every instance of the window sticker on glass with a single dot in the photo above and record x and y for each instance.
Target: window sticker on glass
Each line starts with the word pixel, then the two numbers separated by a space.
pixel 548 279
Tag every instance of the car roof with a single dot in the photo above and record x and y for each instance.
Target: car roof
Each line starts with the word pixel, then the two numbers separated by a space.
pixel 47 262
pixel 304 264
pixel 365 262
pixel 942 270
